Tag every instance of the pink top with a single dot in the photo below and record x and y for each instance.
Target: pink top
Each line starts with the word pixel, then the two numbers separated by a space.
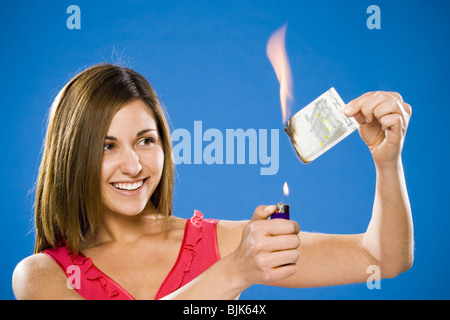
pixel 198 252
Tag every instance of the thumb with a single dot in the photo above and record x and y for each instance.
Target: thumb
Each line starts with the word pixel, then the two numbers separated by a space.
pixel 263 212
pixel 354 110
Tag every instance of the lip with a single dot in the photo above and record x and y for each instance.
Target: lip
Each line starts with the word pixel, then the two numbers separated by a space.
pixel 129 192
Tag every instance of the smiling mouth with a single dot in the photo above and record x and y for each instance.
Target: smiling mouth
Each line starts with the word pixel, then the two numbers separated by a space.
pixel 129 186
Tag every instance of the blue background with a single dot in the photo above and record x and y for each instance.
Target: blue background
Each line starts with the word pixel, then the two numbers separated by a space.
pixel 207 61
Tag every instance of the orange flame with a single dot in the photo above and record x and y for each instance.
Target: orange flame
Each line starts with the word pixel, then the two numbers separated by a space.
pixel 276 52
pixel 286 189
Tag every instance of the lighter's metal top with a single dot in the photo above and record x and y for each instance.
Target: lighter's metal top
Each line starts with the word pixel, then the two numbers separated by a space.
pixel 282 207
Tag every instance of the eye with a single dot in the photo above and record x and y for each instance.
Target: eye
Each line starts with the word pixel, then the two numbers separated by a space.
pixel 147 141
pixel 108 146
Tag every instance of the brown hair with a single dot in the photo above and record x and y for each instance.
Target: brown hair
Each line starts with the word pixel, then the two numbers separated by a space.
pixel 68 201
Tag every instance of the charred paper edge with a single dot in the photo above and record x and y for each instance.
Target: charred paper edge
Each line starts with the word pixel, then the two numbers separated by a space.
pixel 290 129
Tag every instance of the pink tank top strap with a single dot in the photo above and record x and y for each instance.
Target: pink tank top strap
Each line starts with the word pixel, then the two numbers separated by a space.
pixel 199 250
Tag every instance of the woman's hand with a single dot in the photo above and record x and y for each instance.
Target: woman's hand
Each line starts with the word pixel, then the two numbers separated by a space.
pixel 268 249
pixel 383 118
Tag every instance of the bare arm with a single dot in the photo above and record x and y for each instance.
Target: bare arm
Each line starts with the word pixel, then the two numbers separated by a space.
pixel 388 241
pixel 384 119
pixel 389 237
pixel 38 277
pixel 324 259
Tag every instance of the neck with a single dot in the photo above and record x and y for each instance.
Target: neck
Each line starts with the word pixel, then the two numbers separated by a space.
pixel 116 227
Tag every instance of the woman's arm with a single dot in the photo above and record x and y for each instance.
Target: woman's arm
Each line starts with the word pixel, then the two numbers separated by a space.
pixel 327 259
pixel 384 119
pixel 38 277
pixel 388 242
pixel 390 237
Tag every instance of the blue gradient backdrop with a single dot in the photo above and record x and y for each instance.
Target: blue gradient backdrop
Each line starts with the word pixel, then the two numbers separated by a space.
pixel 207 61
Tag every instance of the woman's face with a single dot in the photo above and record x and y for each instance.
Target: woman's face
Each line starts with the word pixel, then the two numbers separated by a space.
pixel 132 161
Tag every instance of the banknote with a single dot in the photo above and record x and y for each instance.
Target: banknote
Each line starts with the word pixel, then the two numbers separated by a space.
pixel 319 126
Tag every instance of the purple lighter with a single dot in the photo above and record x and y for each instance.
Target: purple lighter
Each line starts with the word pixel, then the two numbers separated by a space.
pixel 282 211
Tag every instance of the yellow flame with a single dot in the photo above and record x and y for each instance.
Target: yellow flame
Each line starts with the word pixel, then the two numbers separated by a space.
pixel 286 189
pixel 276 52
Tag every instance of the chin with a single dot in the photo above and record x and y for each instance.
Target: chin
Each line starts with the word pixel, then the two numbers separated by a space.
pixel 126 207
pixel 129 211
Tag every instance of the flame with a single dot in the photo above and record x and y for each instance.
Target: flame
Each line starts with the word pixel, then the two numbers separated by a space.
pixel 276 52
pixel 286 189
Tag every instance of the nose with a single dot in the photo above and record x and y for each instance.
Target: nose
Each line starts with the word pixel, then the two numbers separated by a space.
pixel 130 164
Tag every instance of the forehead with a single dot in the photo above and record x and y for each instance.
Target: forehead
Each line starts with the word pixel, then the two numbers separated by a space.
pixel 135 115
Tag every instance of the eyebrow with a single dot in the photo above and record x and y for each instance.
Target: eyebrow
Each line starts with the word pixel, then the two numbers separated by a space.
pixel 140 133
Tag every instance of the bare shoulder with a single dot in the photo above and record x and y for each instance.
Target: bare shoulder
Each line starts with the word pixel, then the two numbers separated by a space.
pixel 39 277
pixel 229 234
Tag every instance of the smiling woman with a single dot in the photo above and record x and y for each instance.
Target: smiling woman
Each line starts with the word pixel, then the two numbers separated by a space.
pixel 68 202
pixel 104 219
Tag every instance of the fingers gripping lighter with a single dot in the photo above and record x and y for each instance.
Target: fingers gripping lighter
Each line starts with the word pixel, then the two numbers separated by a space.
pixel 282 211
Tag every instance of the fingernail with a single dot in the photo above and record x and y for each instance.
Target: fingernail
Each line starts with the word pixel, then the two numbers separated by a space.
pixel 348 110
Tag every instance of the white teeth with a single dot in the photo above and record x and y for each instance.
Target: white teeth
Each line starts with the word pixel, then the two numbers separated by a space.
pixel 128 186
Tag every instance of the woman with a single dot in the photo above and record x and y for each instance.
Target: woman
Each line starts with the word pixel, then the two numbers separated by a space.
pixel 104 208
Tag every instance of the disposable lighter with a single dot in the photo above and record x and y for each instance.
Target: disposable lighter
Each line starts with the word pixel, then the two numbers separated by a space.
pixel 282 211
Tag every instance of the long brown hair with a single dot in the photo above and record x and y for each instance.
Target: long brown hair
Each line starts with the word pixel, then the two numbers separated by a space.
pixel 68 200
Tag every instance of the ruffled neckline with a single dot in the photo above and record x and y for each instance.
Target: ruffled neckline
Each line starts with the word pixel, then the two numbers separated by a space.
pixel 90 272
pixel 185 257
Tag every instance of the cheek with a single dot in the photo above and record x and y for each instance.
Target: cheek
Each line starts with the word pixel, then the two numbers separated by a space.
pixel 106 172
pixel 107 168
pixel 158 162
pixel 153 164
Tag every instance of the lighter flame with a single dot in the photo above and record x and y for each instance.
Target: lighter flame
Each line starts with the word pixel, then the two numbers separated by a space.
pixel 276 52
pixel 286 189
